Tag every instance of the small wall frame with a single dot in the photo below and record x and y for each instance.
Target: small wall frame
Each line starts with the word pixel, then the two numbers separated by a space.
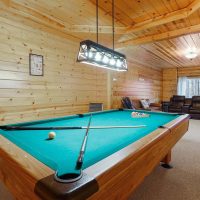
pixel 36 67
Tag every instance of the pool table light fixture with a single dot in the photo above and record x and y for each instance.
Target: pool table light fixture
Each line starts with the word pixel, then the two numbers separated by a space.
pixel 95 54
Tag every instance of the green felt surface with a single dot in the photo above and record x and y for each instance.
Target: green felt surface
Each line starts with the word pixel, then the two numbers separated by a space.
pixel 61 153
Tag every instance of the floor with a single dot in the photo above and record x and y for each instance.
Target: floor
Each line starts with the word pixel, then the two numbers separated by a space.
pixel 180 183
pixel 183 181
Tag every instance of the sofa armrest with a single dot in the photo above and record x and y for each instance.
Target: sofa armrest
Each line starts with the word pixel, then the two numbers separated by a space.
pixel 155 105
pixel 187 105
pixel 186 108
pixel 165 106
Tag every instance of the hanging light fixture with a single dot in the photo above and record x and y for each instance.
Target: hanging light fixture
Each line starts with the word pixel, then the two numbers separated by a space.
pixel 98 55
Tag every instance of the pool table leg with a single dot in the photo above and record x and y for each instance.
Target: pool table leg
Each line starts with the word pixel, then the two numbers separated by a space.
pixel 166 160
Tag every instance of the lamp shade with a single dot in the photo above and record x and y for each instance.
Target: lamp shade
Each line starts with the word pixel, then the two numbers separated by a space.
pixel 95 54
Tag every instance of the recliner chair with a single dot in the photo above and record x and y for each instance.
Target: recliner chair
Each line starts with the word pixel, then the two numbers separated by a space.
pixel 194 109
pixel 176 103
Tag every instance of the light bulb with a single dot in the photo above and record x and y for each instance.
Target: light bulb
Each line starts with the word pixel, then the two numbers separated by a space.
pixel 112 61
pixel 86 54
pixel 90 54
pixel 119 63
pixel 105 59
pixel 98 56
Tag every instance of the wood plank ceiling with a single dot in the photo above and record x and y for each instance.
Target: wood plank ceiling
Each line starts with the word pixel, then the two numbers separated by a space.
pixel 151 33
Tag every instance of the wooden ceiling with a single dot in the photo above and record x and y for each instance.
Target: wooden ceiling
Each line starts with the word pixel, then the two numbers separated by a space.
pixel 150 32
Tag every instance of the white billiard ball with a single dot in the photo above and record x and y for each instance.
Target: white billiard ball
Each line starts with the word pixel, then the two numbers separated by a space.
pixel 52 135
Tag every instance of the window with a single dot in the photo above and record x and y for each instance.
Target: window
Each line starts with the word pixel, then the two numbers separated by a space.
pixel 189 86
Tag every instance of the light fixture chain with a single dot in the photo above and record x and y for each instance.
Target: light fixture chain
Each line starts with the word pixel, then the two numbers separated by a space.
pixel 113 24
pixel 97 19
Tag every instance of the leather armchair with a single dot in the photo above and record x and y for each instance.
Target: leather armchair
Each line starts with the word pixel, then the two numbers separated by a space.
pixel 195 107
pixel 176 104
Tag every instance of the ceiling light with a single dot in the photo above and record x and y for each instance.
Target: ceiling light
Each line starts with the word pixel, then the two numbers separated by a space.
pixel 191 54
pixel 101 56
pixel 95 54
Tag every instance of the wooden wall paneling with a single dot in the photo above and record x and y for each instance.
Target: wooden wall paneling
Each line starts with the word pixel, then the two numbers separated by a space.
pixel 65 88
pixel 169 83
pixel 189 71
pixel 138 83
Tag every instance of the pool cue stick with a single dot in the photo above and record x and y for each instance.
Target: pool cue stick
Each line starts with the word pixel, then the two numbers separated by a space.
pixel 22 128
pixel 79 162
pixel 107 127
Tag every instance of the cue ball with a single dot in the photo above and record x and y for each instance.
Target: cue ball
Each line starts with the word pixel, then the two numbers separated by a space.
pixel 52 135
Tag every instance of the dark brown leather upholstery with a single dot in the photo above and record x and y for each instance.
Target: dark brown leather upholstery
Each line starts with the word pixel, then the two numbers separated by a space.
pixel 195 107
pixel 176 103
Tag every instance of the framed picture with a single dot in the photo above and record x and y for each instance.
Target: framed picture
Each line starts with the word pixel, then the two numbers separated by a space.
pixel 36 65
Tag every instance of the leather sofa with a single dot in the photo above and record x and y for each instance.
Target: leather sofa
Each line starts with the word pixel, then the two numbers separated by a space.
pixel 180 104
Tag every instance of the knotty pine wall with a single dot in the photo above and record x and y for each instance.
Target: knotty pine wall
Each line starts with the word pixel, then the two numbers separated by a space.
pixel 66 87
pixel 138 83
pixel 170 79
pixel 169 83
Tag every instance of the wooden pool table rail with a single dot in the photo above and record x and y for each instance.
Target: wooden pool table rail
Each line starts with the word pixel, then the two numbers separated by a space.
pixel 121 172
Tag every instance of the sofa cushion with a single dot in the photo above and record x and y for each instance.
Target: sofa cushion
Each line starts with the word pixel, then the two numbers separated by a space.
pixel 136 103
pixel 178 110
pixel 194 110
pixel 177 105
pixel 144 103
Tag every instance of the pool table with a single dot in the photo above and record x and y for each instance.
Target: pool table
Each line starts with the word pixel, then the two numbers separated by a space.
pixel 116 159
